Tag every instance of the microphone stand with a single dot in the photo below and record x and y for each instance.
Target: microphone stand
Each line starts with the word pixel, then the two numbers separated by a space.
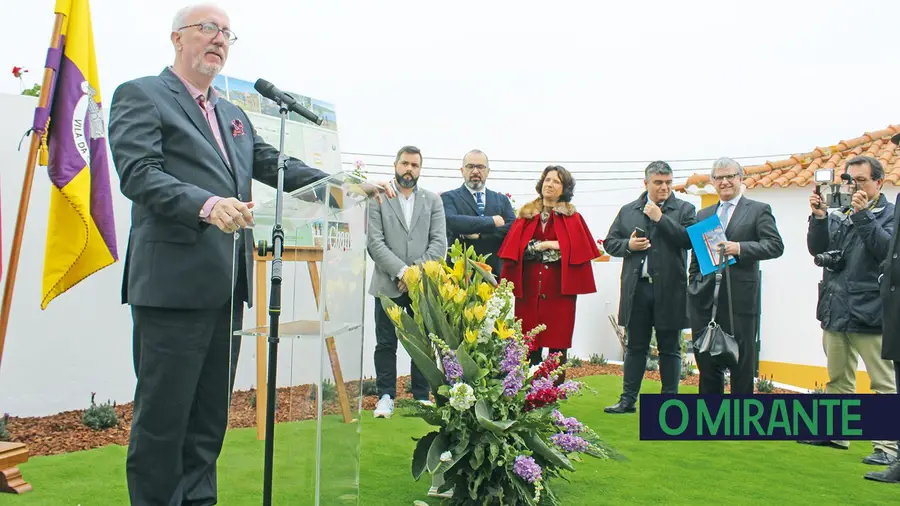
pixel 274 311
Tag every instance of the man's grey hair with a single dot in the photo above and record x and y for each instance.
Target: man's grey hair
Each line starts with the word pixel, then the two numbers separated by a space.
pixel 184 14
pixel 726 163
pixel 658 167
pixel 476 152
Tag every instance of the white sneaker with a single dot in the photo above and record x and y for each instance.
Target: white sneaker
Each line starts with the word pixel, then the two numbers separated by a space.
pixel 427 402
pixel 385 407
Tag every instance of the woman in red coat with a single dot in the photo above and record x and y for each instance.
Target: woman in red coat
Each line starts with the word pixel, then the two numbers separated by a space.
pixel 547 256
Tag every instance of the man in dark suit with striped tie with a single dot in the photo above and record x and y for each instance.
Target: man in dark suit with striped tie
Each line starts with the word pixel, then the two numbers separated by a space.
pixel 476 215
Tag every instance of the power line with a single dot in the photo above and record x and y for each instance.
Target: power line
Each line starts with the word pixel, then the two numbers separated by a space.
pixel 532 171
pixel 685 160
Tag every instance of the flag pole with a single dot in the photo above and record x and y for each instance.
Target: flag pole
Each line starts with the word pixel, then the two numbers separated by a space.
pixel 13 265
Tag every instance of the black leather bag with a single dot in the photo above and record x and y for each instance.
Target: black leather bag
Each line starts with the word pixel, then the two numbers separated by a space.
pixel 713 341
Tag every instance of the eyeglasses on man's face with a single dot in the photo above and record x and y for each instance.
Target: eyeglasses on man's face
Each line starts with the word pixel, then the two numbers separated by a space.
pixel 725 177
pixel 472 166
pixel 212 30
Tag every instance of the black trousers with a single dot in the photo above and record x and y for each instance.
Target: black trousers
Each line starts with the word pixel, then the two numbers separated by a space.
pixel 537 356
pixel 386 354
pixel 185 362
pixel 712 374
pixel 640 331
pixel 897 374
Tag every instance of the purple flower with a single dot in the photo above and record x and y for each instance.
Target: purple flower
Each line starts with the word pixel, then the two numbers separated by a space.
pixel 513 382
pixel 452 370
pixel 570 387
pixel 527 469
pixel 571 425
pixel 512 356
pixel 541 384
pixel 569 442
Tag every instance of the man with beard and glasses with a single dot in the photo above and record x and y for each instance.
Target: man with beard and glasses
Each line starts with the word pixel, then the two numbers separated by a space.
pixel 185 159
pixel 403 231
pixel 476 215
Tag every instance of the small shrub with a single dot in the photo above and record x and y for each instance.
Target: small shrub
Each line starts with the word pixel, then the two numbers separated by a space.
pixel 576 362
pixel 598 360
pixel 4 422
pixel 329 390
pixel 369 387
pixel 253 399
pixel 765 385
pixel 652 365
pixel 102 416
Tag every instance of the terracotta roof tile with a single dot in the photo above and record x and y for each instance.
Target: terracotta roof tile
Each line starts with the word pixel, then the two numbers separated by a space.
pixel 798 170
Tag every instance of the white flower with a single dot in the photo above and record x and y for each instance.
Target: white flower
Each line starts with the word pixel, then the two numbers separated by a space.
pixel 446 456
pixel 462 397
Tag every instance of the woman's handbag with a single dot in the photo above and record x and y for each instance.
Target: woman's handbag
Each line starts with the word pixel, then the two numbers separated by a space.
pixel 721 346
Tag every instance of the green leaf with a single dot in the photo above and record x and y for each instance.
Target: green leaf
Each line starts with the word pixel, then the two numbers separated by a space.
pixel 471 371
pixel 425 362
pixel 443 467
pixel 444 390
pixel 438 446
pixel 537 445
pixel 493 452
pixel 420 454
pixel 478 455
pixel 409 325
pixel 485 275
pixel 484 416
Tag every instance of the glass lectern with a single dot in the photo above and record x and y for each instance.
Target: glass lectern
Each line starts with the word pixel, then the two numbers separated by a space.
pixel 320 353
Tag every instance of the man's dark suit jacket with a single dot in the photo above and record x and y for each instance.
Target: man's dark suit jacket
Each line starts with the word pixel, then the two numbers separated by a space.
pixel 169 164
pixel 463 219
pixel 752 224
pixel 668 255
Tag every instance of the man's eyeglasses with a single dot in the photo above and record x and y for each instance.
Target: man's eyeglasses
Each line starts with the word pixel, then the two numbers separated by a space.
pixel 212 30
pixel 725 177
pixel 470 166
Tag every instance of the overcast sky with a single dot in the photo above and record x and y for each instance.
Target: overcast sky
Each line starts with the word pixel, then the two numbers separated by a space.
pixel 524 80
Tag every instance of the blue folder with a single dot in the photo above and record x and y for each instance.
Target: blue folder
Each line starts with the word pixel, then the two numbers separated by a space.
pixel 705 237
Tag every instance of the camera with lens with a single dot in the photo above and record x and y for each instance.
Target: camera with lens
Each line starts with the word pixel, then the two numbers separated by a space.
pixel 835 195
pixel 832 260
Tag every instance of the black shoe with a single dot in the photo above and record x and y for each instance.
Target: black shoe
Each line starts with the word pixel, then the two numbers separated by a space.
pixel 880 458
pixel 621 407
pixel 824 443
pixel 891 475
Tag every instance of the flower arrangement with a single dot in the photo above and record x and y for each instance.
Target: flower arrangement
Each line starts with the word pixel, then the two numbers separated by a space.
pixel 500 436
pixel 18 73
pixel 513 202
pixel 359 169
pixel 600 247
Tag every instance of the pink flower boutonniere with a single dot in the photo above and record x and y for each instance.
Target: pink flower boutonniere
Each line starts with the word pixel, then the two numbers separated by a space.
pixel 237 128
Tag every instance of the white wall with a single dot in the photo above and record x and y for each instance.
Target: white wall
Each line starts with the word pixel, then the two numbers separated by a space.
pixel 54 359
pixel 789 331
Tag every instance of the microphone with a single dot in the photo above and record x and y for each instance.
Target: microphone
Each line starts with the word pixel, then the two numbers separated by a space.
pixel 268 90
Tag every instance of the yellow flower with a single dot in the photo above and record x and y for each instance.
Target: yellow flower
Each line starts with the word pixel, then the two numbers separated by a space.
pixel 459 270
pixel 394 313
pixel 471 336
pixel 460 296
pixel 432 269
pixel 503 332
pixel 479 312
pixel 468 314
pixel 485 291
pixel 448 290
pixel 412 276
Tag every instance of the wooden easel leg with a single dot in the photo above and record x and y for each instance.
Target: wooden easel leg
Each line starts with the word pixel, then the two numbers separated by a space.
pixel 11 482
pixel 343 398
pixel 262 364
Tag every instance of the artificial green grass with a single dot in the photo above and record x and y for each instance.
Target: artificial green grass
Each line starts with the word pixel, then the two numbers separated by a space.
pixel 656 472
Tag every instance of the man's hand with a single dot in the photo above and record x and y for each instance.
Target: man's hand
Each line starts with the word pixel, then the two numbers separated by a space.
pixel 402 286
pixel 499 221
pixel 471 237
pixel 653 211
pixel 860 200
pixel 815 203
pixel 231 215
pixel 732 248
pixel 375 189
pixel 638 243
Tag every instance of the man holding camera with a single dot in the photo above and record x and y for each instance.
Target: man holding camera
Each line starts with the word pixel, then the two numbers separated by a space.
pixel 850 243
pixel 651 234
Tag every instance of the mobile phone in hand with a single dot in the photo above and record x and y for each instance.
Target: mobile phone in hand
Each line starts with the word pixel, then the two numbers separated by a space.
pixel 639 232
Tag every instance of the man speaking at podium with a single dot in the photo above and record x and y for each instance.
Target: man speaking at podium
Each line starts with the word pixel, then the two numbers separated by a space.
pixel 185 158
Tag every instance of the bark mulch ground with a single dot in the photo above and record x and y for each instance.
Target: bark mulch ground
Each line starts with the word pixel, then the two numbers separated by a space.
pixel 66 432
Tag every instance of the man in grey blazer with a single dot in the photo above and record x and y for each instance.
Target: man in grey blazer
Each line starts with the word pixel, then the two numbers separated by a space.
pixel 185 158
pixel 752 236
pixel 403 231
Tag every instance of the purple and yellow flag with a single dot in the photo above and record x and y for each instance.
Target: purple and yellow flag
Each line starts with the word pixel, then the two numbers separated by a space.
pixel 81 235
